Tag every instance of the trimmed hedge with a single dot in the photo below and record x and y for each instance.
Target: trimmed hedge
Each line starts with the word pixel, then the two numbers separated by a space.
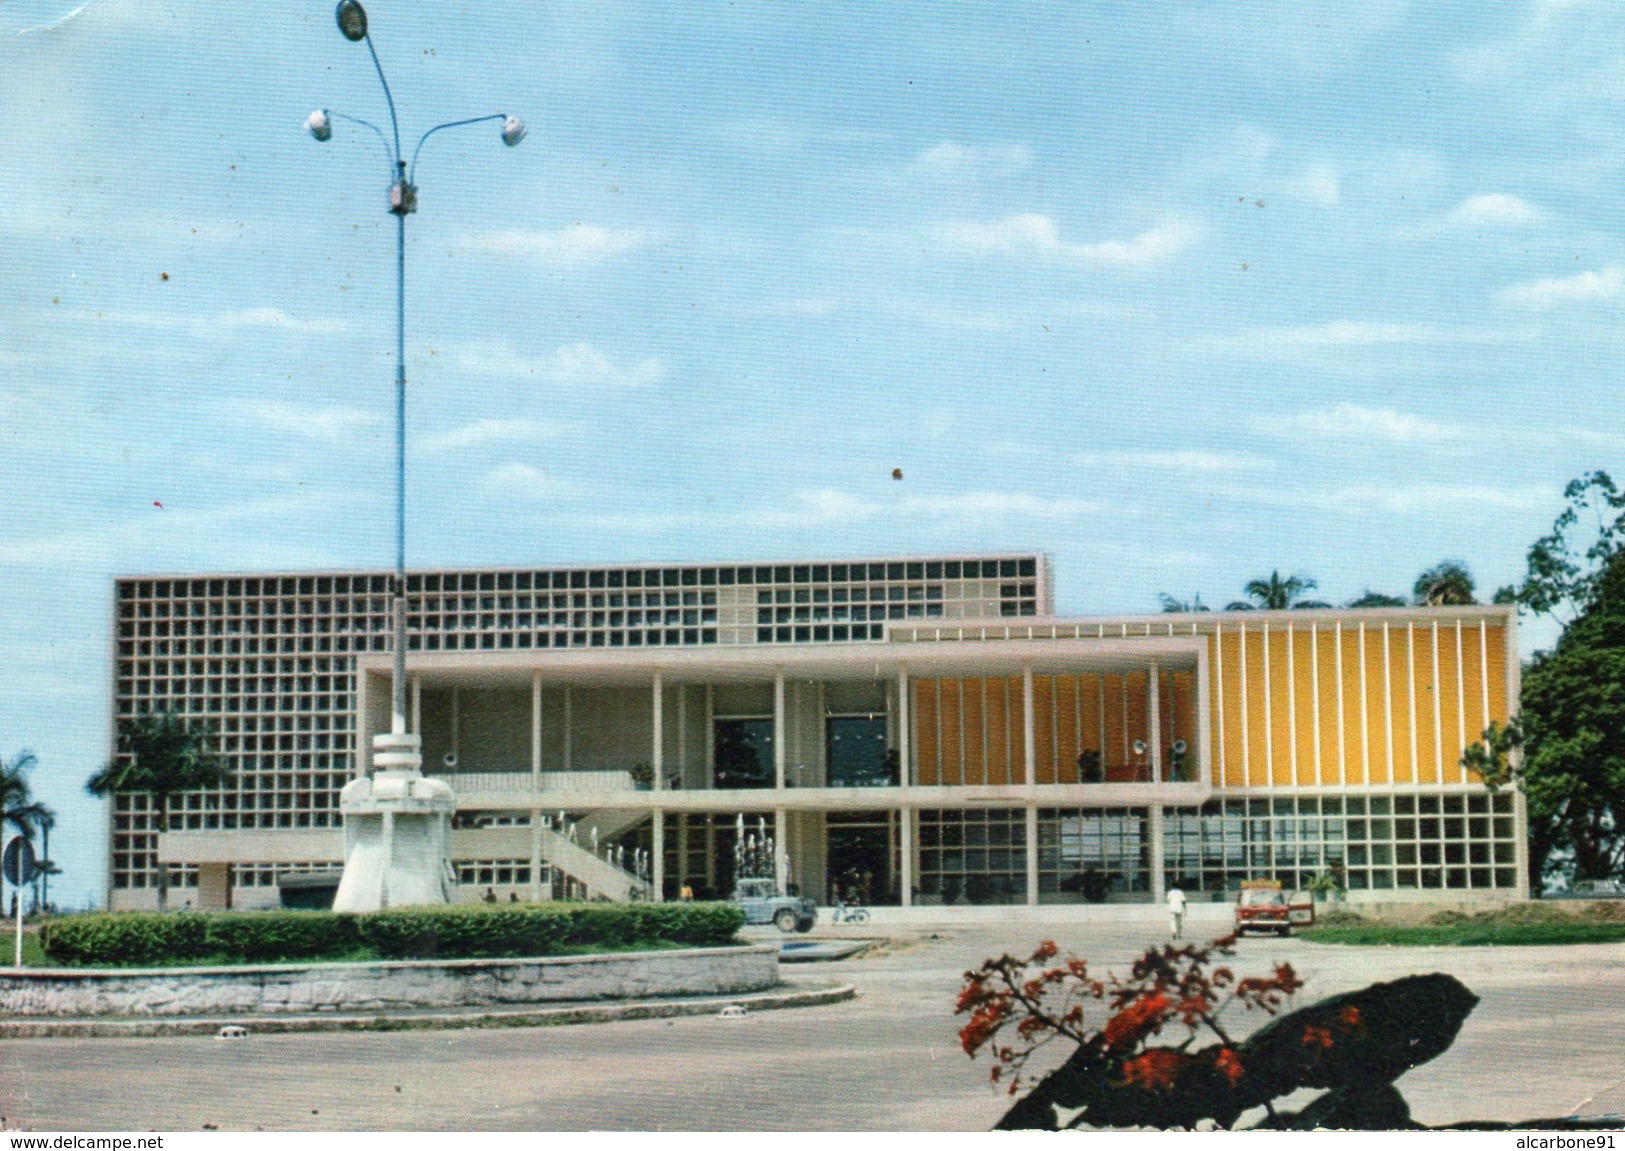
pixel 477 931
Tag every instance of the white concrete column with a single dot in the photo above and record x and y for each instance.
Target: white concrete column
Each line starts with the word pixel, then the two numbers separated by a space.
pixel 567 726
pixel 536 731
pixel 905 853
pixel 778 730
pixel 417 704
pixel 905 731
pixel 1032 844
pixel 682 742
pixel 657 755
pixel 1029 732
pixel 456 721
pixel 1153 710
pixel 1159 886
pixel 781 849
pixel 363 741
pixel 710 760
pixel 536 864
pixel 657 856
pixel 711 848
pixel 684 871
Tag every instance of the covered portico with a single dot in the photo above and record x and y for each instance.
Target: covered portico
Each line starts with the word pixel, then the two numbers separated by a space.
pixel 637 732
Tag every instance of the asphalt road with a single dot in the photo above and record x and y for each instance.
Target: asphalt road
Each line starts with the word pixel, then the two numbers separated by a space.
pixel 1548 1038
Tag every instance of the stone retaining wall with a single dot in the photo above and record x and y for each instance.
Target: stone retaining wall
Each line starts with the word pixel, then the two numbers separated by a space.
pixel 290 988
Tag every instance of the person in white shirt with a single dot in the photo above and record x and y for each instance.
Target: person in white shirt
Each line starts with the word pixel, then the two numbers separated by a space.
pixel 1176 911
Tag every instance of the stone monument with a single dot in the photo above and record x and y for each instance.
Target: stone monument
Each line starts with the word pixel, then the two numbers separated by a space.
pixel 397 832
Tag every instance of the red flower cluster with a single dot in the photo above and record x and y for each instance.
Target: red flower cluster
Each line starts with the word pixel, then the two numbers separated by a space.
pixel 1165 984
pixel 1317 1036
pixel 1140 1018
pixel 1158 1069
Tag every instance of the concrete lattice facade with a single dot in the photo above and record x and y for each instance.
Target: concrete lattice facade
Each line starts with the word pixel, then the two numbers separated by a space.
pixel 923 728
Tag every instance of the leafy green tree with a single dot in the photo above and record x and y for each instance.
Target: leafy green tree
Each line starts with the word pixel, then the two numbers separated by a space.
pixel 1378 599
pixel 1446 582
pixel 1567 562
pixel 1169 603
pixel 159 754
pixel 1273 593
pixel 1566 750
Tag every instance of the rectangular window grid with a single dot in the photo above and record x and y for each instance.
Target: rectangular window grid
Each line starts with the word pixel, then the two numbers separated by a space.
pixel 267 663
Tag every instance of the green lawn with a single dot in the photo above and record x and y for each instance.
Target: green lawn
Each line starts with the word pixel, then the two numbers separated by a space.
pixel 1471 934
pixel 32 955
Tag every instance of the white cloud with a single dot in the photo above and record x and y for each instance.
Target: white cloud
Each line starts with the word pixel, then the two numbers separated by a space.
pixel 1606 284
pixel 482 433
pixel 1427 498
pixel 570 247
pixel 53 18
pixel 1355 333
pixel 828 505
pixel 1321 185
pixel 1493 210
pixel 330 425
pixel 805 306
pixel 953 158
pixel 517 481
pixel 251 534
pixel 571 365
pixel 1030 234
pixel 1176 461
pixel 1148 247
pixel 1350 421
pixel 209 325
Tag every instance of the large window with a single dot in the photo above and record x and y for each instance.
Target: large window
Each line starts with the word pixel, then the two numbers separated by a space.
pixel 1094 855
pixel 973 856
pixel 744 753
pixel 1375 843
pixel 856 749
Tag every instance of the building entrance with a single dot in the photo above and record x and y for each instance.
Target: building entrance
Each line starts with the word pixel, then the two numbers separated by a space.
pixel 862 850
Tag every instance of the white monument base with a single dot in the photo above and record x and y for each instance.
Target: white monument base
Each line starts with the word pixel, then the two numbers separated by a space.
pixel 397 833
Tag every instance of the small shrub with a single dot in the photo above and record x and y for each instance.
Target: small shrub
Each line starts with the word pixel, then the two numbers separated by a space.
pixel 464 932
pixel 1337 917
pixel 129 939
pixel 1448 919
pixel 1604 911
pixel 270 936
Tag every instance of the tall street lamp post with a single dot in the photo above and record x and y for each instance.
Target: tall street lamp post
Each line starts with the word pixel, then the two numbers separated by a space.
pixel 396 822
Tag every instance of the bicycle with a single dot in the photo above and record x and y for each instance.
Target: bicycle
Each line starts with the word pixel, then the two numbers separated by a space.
pixel 850 913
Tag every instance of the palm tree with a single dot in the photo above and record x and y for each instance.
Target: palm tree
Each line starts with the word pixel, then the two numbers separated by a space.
pixel 1169 603
pixel 160 755
pixel 18 806
pixel 1276 594
pixel 1446 582
pixel 44 868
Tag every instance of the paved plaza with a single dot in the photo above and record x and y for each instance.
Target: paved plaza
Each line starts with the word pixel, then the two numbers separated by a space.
pixel 1548 1038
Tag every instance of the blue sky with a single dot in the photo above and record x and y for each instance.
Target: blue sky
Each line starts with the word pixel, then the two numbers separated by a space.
pixel 1178 293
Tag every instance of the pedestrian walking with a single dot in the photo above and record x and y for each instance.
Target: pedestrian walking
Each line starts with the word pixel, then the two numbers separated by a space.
pixel 1176 911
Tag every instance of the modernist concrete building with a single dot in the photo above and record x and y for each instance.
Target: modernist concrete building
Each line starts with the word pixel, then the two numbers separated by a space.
pixel 922 728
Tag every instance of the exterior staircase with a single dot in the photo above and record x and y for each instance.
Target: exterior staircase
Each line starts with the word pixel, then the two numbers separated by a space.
pixel 596 874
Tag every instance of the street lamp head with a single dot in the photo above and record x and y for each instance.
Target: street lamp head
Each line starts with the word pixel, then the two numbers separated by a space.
pixel 352 18
pixel 320 126
pixel 513 130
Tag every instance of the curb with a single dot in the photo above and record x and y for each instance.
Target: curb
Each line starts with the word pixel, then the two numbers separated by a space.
pixel 789 996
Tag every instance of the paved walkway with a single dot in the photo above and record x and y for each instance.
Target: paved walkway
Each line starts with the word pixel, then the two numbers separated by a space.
pixel 1547 1038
